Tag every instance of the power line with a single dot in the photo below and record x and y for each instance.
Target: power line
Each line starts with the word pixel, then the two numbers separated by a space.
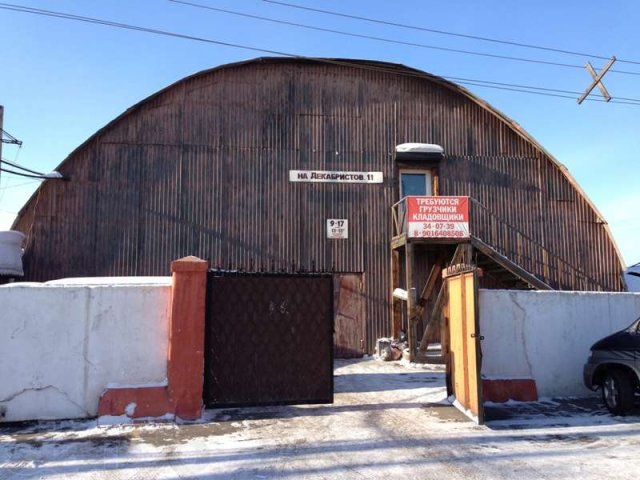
pixel 21 174
pixel 531 87
pixel 388 40
pixel 48 176
pixel 480 83
pixel 4 189
pixel 15 165
pixel 522 90
pixel 445 32
pixel 30 182
pixel 80 18
pixel 31 173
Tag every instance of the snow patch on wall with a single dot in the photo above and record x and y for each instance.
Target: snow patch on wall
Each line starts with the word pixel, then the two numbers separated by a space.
pixel 161 383
pixel 130 409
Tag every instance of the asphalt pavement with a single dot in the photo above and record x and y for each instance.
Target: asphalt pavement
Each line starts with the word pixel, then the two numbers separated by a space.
pixel 388 420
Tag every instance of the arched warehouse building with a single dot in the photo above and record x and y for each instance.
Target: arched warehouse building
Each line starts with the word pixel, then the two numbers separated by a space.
pixel 206 167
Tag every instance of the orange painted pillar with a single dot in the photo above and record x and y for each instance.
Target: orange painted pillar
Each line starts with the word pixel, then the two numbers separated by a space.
pixel 185 367
pixel 185 363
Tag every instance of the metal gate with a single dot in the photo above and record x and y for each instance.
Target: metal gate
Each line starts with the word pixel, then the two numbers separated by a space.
pixel 269 339
pixel 465 353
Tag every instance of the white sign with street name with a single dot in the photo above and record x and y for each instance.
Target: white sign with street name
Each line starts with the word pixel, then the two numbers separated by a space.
pixel 337 228
pixel 329 176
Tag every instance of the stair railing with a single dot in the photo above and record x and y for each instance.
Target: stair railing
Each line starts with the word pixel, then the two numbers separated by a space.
pixel 526 251
pixel 514 244
pixel 398 217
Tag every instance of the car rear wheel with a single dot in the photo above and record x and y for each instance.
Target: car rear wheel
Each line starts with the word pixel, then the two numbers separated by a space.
pixel 617 392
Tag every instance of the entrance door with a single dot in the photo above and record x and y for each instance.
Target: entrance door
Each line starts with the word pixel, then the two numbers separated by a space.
pixel 413 182
pixel 349 308
pixel 465 357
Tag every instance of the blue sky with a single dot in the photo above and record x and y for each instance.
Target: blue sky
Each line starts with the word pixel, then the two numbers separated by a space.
pixel 63 80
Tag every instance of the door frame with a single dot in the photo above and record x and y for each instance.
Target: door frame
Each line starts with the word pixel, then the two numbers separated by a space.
pixel 359 350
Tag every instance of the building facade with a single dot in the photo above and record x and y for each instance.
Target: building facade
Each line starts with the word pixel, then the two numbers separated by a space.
pixel 215 164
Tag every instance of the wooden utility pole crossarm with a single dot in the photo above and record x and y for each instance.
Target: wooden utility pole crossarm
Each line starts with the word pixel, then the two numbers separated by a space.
pixel 597 81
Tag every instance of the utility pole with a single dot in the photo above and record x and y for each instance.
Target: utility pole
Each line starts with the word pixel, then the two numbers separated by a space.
pixel 9 138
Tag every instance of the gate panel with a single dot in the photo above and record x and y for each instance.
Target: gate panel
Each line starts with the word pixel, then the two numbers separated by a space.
pixel 465 357
pixel 269 339
pixel 473 350
pixel 456 339
pixel 349 315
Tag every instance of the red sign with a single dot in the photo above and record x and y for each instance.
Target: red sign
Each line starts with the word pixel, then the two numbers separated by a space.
pixel 437 217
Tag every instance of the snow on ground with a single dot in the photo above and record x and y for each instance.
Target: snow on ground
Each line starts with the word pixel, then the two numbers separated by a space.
pixel 388 421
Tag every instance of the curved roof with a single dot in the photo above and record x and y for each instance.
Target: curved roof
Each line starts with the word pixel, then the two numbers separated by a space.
pixel 383 67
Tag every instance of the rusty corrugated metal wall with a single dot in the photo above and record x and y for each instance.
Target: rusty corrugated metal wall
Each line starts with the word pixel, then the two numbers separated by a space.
pixel 201 168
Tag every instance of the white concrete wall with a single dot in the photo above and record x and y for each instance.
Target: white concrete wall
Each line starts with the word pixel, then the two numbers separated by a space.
pixel 547 335
pixel 63 342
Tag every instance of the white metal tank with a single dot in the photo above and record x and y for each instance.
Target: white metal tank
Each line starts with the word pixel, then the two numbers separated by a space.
pixel 11 253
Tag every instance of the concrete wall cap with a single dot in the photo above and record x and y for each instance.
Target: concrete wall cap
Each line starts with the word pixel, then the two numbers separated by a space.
pixel 189 264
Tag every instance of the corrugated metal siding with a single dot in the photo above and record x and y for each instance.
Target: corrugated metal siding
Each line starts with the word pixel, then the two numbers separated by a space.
pixel 202 169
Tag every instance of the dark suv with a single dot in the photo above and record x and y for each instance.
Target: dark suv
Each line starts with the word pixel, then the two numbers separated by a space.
pixel 614 365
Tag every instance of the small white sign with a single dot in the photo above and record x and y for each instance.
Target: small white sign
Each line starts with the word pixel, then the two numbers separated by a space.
pixel 337 228
pixel 328 176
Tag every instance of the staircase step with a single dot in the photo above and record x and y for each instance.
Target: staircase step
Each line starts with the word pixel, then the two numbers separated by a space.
pixel 432 356
pixel 430 359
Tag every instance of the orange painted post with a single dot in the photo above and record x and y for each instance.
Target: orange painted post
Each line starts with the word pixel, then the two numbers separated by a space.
pixel 185 363
pixel 185 368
